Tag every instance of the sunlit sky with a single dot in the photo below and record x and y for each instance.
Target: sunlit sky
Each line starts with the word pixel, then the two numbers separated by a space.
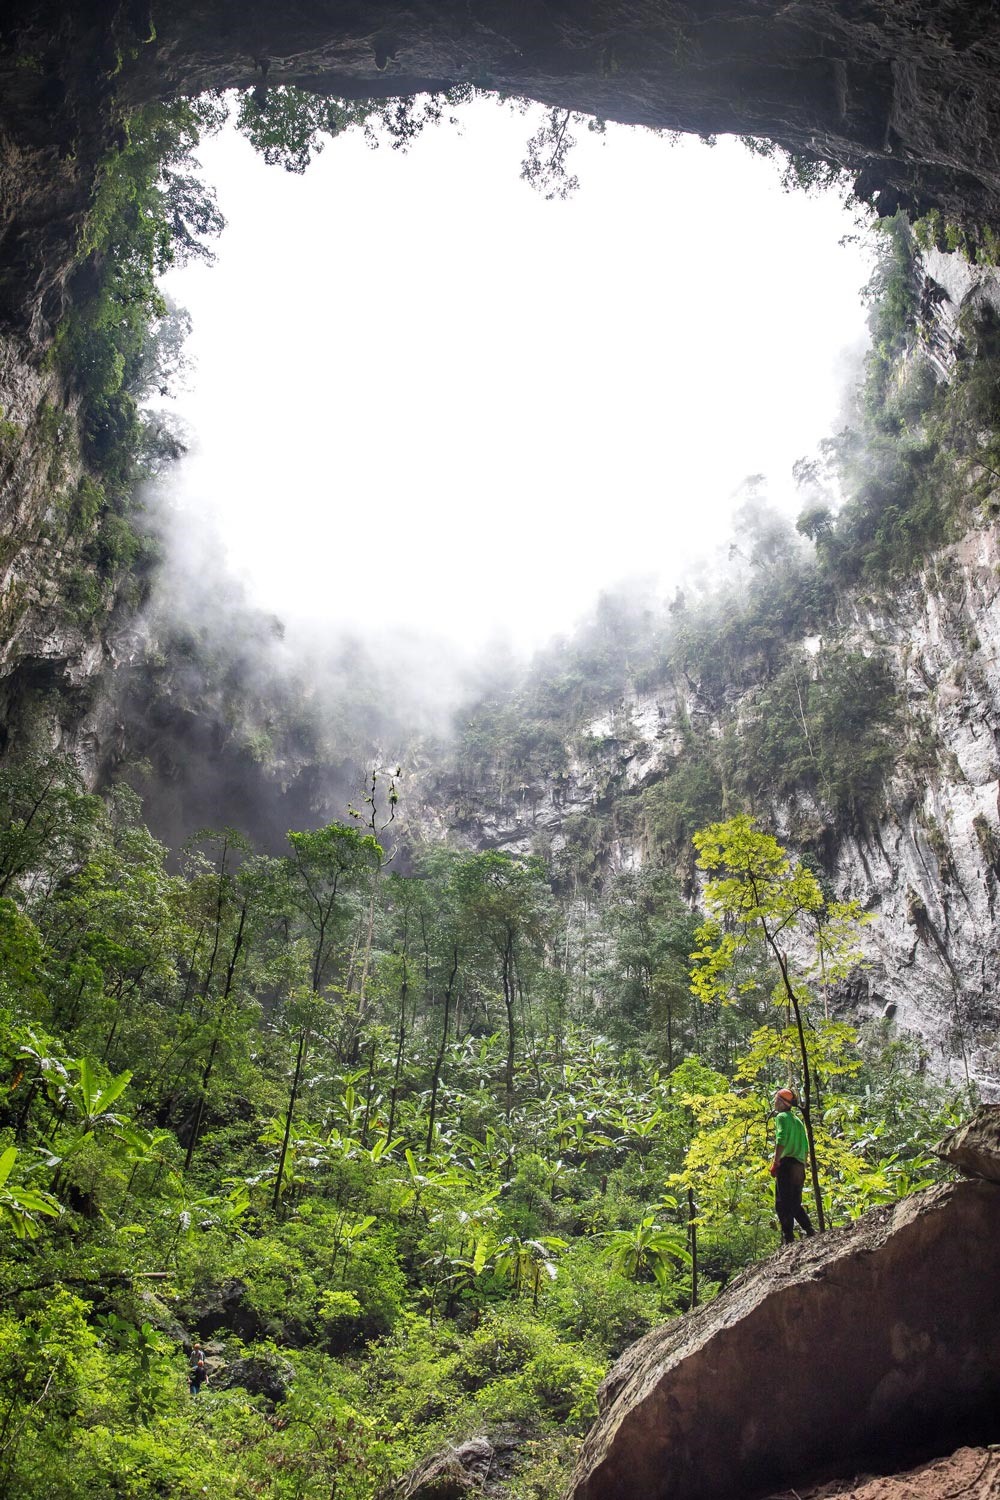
pixel 424 396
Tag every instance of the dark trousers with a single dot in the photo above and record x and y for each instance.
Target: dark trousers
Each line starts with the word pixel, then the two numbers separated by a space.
pixel 788 1184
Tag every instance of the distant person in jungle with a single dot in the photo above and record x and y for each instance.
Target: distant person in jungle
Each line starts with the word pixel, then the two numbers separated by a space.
pixel 791 1151
pixel 197 1374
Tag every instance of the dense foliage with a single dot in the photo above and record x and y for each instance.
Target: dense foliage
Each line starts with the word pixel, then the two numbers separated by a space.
pixel 413 1154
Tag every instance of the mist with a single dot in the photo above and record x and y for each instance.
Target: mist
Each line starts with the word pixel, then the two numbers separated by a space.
pixel 425 397
pixel 433 419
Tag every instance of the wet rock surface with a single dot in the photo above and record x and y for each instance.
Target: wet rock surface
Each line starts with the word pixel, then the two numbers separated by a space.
pixel 856 1351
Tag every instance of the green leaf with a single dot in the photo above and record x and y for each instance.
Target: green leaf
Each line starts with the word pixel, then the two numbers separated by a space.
pixel 105 1099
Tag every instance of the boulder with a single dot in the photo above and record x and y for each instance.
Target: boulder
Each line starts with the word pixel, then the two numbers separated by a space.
pixel 974 1149
pixel 266 1375
pixel 222 1307
pixel 852 1351
pixel 451 1475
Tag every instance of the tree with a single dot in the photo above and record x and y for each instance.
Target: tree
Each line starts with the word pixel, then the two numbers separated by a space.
pixel 379 859
pixel 522 1261
pixel 759 896
pixel 324 867
pixel 48 823
pixel 644 971
pixel 228 898
pixel 503 904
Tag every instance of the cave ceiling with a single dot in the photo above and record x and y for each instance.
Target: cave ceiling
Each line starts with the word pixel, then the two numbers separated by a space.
pixel 901 95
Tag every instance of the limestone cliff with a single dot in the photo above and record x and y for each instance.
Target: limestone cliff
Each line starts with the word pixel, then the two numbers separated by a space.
pixel 926 867
pixel 63 625
pixel 924 861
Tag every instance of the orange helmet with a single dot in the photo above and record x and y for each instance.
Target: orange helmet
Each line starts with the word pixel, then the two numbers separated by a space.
pixel 788 1095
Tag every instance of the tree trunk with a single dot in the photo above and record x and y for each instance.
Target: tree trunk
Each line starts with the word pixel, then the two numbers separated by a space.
pixel 507 971
pixel 439 1059
pixel 806 1080
pixel 400 1046
pixel 300 1056
pixel 693 1241
pixel 216 1039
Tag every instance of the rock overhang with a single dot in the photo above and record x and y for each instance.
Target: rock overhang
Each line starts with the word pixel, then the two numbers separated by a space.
pixel 867 1344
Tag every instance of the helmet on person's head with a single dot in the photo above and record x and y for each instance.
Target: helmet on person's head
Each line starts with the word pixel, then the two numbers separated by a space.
pixel 786 1096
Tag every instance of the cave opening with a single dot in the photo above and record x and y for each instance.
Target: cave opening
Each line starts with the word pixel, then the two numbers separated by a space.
pixel 422 393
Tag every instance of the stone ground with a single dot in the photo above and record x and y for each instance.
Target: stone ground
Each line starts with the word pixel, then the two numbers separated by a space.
pixel 968 1474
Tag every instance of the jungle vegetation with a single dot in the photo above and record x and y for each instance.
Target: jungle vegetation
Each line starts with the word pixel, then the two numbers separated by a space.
pixel 414 1155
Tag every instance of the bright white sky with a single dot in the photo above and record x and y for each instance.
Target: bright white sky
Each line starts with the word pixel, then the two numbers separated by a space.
pixel 426 396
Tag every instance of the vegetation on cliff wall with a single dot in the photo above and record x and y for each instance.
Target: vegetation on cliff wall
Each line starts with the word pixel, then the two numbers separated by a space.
pixel 765 693
pixel 120 342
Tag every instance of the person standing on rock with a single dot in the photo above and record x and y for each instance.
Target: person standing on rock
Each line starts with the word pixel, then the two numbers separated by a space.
pixel 197 1373
pixel 791 1150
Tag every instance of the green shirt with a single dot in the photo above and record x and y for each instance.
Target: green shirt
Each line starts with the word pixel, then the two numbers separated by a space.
pixel 791 1136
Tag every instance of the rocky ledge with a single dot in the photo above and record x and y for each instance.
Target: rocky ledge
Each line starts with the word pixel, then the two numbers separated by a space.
pixel 860 1351
pixel 969 1474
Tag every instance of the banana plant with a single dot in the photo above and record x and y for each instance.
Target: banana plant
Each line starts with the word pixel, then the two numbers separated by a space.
pixel 192 1213
pixel 19 1205
pixel 648 1247
pixel 644 1128
pixel 346 1236
pixel 525 1261
pixel 298 1154
pixel 91 1103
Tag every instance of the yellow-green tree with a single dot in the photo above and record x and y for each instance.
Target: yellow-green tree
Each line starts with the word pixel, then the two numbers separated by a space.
pixel 758 897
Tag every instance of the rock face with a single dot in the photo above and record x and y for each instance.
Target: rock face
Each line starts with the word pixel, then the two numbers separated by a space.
pixel 844 1354
pixel 926 867
pixel 974 1148
pixel 54 653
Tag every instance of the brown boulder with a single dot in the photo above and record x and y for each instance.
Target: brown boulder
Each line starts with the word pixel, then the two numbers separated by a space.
pixel 855 1350
pixel 974 1149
